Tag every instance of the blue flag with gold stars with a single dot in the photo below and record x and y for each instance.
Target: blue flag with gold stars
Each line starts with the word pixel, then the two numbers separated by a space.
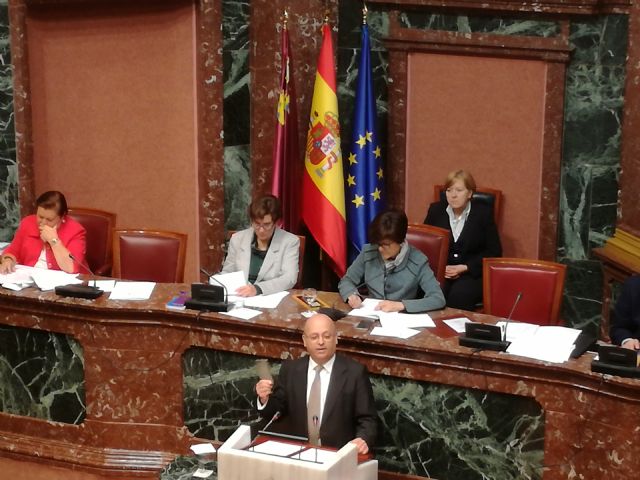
pixel 364 174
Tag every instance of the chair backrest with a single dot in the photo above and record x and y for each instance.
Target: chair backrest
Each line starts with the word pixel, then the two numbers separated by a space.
pixel 99 226
pixel 540 282
pixel 303 243
pixel 434 243
pixel 487 196
pixel 149 255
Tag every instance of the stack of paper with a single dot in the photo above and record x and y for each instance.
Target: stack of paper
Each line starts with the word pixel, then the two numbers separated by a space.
pixel 546 343
pixel 393 324
pixel 231 281
pixel 265 301
pixel 19 279
pixel 50 279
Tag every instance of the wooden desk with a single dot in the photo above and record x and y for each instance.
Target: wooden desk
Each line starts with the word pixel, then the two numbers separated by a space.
pixel 137 378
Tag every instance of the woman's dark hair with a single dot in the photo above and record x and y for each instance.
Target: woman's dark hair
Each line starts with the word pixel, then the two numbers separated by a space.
pixel 53 200
pixel 389 225
pixel 265 205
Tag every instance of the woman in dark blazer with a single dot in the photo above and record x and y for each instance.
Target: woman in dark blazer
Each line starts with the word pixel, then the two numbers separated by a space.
pixel 473 236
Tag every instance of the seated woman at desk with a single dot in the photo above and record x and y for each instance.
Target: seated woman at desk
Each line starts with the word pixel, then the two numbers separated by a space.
pixel 47 239
pixel 266 254
pixel 474 235
pixel 625 326
pixel 392 270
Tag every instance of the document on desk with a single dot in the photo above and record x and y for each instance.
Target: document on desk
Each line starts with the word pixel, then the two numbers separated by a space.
pixel 457 324
pixel 232 281
pixel 280 449
pixel 397 332
pixel 405 320
pixel 243 313
pixel 132 291
pixel 547 343
pixel 265 301
pixel 21 277
pixel 50 279
pixel 367 309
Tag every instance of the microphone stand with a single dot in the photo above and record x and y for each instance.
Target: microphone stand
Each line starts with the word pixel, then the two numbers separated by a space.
pixel 80 291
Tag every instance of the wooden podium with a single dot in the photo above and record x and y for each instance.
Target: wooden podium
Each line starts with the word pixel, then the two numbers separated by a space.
pixel 237 460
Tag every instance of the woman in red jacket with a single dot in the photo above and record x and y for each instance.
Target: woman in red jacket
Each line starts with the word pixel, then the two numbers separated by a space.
pixel 47 239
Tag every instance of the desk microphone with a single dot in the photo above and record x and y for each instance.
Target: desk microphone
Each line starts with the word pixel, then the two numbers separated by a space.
pixel 211 277
pixel 275 417
pixel 80 291
pixel 508 319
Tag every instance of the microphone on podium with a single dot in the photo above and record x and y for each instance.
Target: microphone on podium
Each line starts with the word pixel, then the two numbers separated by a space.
pixel 80 291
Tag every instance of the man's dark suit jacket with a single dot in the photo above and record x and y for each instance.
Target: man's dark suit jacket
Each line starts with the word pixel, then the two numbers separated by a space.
pixel 349 410
pixel 626 315
pixel 478 239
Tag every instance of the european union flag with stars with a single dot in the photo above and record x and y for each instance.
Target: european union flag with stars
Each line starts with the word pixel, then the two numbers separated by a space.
pixel 364 190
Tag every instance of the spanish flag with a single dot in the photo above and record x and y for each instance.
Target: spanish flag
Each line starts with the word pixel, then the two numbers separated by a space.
pixel 323 209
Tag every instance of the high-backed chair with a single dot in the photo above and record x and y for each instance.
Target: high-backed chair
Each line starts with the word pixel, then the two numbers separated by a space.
pixel 303 243
pixel 540 282
pixel 149 255
pixel 99 225
pixel 488 196
pixel 434 243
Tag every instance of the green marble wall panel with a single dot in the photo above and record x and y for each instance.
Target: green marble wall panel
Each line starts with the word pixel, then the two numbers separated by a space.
pixel 591 159
pixel 41 375
pixel 236 115
pixel 9 207
pixel 480 24
pixel 425 429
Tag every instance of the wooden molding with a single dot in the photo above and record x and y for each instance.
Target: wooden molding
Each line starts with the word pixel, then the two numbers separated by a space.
pixel 564 7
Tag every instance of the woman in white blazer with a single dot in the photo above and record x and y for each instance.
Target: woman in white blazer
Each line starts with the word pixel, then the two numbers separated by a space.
pixel 266 254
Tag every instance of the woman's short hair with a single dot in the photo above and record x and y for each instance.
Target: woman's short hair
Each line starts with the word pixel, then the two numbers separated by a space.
pixel 265 205
pixel 53 200
pixel 463 175
pixel 388 225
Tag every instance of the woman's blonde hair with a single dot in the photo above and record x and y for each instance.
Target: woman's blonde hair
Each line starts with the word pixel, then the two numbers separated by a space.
pixel 463 175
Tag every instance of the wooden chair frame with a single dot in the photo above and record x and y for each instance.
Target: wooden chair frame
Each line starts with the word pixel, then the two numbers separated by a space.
pixel 105 268
pixel 182 249
pixel 541 265
pixel 444 251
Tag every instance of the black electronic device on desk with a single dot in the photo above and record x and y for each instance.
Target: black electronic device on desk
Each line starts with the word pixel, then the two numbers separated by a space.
pixel 619 361
pixel 79 291
pixel 484 337
pixel 210 298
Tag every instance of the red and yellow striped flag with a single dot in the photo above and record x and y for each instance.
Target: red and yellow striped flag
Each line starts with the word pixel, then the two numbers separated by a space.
pixel 323 208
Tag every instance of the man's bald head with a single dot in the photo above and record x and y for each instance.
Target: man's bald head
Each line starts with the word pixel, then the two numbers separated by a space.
pixel 320 338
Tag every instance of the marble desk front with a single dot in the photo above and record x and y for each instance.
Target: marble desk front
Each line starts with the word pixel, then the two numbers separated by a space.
pixel 111 385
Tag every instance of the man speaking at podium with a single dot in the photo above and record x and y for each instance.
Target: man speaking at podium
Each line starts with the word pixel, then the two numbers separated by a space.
pixel 327 397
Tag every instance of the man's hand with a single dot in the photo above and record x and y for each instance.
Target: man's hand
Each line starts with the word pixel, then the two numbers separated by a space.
pixel 264 389
pixel 631 344
pixel 246 291
pixel 390 306
pixel 354 301
pixel 454 271
pixel 361 445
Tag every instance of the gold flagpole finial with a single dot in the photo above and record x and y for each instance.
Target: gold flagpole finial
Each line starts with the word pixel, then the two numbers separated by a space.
pixel 285 18
pixel 365 10
pixel 326 15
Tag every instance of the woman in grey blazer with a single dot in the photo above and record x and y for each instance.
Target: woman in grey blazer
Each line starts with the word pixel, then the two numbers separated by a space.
pixel 392 270
pixel 266 254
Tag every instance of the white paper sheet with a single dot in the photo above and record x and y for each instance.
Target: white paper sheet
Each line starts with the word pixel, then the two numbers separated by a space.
pixel 457 324
pixel 317 455
pixel 397 332
pixel 243 313
pixel 50 279
pixel 405 320
pixel 232 281
pixel 516 330
pixel 132 291
pixel 280 449
pixel 265 301
pixel 548 343
pixel 104 285
pixel 21 276
pixel 202 448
